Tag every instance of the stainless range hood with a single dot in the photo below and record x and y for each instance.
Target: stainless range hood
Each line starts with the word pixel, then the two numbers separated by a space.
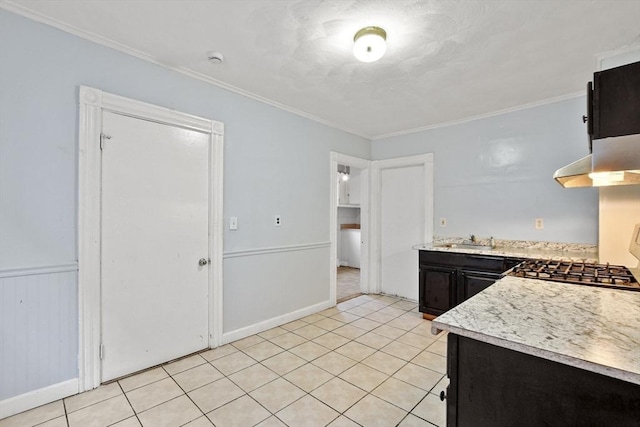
pixel 614 161
pixel 613 125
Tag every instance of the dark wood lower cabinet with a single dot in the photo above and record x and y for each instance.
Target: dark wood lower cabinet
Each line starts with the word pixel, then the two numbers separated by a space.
pixel 437 291
pixel 494 386
pixel 449 278
pixel 474 282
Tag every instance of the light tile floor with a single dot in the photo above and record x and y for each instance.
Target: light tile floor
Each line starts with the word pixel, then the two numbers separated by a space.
pixel 369 361
pixel 348 283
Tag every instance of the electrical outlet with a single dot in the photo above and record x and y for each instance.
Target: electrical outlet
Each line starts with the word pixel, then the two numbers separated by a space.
pixel 277 221
pixel 233 223
pixel 443 222
pixel 539 223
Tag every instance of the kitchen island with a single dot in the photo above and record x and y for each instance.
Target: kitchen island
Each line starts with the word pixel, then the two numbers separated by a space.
pixel 531 352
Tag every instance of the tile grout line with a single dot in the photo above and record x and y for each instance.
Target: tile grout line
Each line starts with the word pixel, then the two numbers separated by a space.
pixel 184 394
pixel 66 414
pixel 135 414
pixel 246 393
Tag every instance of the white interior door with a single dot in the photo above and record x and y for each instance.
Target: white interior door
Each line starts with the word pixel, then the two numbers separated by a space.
pixel 155 216
pixel 402 225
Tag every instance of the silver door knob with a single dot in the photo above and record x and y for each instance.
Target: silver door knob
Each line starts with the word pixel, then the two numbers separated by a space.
pixel 203 261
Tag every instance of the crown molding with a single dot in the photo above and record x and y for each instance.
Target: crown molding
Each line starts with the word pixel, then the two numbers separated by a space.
pixel 481 116
pixel 95 38
pixel 635 48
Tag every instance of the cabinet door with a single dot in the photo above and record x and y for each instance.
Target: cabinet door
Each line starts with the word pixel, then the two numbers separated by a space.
pixel 437 292
pixel 473 282
pixel 616 101
pixel 509 263
pixel 531 390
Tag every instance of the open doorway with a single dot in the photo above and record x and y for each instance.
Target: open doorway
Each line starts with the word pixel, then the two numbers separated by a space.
pixel 349 227
pixel 348 181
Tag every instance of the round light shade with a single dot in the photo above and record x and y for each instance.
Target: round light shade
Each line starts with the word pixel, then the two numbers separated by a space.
pixel 370 44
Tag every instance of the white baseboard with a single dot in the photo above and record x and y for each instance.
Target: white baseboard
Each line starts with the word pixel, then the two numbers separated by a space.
pixel 15 405
pixel 256 328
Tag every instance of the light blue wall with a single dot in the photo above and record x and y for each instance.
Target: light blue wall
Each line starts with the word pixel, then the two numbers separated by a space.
pixel 493 176
pixel 274 160
pixel 275 163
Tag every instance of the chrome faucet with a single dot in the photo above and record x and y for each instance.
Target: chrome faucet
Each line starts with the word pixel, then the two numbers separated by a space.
pixel 471 240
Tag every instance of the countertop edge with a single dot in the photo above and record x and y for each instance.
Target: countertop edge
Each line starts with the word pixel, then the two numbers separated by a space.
pixel 502 251
pixel 545 354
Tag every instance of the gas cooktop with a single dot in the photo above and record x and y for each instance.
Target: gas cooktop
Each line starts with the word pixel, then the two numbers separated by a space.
pixel 579 273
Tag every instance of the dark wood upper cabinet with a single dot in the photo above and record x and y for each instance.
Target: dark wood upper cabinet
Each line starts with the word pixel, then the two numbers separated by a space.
pixel 615 109
pixel 589 117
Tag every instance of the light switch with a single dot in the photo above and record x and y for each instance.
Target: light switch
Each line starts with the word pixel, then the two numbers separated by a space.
pixel 539 223
pixel 233 223
pixel 277 221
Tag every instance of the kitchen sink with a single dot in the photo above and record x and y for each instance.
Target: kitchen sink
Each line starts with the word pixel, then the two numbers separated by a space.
pixel 466 246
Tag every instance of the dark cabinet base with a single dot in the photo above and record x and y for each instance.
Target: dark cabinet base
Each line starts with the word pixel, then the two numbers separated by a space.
pixel 494 386
pixel 437 291
pixel 474 282
pixel 449 278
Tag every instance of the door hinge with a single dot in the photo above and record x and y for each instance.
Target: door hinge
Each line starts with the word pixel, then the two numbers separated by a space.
pixel 101 351
pixel 103 136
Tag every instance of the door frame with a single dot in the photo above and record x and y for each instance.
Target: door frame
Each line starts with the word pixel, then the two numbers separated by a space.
pixel 425 160
pixel 92 103
pixel 365 229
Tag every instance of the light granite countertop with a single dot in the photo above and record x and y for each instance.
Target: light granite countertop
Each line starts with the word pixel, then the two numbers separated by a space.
pixel 583 326
pixel 548 253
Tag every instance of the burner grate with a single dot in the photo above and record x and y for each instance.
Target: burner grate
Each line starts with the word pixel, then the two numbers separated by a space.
pixel 603 275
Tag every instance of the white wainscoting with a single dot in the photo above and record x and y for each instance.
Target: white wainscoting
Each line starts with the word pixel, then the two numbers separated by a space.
pixel 38 336
pixel 264 288
pixel 33 399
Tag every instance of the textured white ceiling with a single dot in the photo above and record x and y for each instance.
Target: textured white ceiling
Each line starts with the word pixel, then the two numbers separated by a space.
pixel 446 60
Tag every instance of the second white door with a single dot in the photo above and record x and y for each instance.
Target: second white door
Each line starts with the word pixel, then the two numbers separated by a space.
pixel 155 227
pixel 402 225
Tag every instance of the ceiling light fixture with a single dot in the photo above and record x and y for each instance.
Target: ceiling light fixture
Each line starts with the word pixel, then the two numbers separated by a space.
pixel 344 171
pixel 370 44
